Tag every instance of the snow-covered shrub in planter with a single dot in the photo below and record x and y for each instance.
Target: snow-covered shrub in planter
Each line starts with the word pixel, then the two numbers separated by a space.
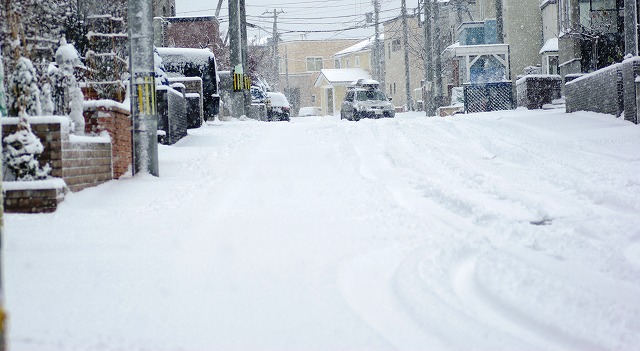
pixel 23 89
pixel 21 153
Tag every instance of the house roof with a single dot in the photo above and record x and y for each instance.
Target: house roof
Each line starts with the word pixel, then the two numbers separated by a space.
pixel 342 76
pixel 361 46
pixel 550 46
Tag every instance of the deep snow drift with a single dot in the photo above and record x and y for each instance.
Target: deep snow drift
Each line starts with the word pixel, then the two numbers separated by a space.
pixel 517 230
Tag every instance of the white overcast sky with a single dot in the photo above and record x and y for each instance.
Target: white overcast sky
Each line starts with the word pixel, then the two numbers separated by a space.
pixel 315 19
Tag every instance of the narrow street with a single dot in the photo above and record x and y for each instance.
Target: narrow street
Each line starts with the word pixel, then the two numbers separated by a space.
pixel 503 231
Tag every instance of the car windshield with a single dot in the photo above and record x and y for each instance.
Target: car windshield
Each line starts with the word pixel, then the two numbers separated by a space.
pixel 367 95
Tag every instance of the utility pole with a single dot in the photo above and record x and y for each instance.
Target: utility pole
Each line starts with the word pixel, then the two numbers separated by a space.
pixel 235 43
pixel 3 314
pixel 405 38
pixel 499 22
pixel 377 71
pixel 286 70
pixel 143 87
pixel 630 27
pixel 276 59
pixel 428 62
pixel 437 52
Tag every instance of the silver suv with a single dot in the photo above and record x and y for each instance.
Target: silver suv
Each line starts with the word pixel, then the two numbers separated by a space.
pixel 365 100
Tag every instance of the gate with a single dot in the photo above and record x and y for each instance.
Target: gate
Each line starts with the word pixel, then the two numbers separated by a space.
pixel 488 97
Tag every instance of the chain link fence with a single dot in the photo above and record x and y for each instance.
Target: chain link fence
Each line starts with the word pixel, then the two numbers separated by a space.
pixel 488 97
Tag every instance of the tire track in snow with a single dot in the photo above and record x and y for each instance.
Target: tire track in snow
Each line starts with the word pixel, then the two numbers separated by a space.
pixel 367 286
pixel 497 313
pixel 403 179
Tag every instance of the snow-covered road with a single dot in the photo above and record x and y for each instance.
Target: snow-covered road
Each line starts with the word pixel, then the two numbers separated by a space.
pixel 517 230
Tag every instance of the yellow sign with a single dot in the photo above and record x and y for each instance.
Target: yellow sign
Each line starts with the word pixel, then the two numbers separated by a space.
pixel 237 82
pixel 146 90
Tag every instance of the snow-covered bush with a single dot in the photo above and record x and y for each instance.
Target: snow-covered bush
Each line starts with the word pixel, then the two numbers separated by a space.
pixel 24 91
pixel 3 97
pixel 160 73
pixel 21 153
pixel 46 99
pixel 67 92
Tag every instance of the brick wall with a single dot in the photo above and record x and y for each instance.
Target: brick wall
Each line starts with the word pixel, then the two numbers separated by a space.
pixel 37 197
pixel 86 164
pixel 117 122
pixel 81 161
pixel 611 90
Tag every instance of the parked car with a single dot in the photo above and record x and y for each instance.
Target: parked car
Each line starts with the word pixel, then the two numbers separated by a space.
pixel 309 111
pixel 277 107
pixel 365 100
pixel 258 95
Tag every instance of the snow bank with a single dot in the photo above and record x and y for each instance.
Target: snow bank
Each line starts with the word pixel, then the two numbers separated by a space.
pixel 510 230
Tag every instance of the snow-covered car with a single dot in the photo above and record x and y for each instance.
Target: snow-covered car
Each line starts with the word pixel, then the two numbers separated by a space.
pixel 366 100
pixel 309 111
pixel 278 107
pixel 258 95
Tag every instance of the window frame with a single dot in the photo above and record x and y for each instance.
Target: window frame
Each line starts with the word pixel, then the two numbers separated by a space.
pixel 312 62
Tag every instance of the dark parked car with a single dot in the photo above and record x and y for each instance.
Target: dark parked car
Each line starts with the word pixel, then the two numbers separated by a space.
pixel 366 100
pixel 277 107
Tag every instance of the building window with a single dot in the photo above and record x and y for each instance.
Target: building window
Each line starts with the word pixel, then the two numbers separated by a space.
pixel 356 61
pixel 394 88
pixel 337 63
pixel 313 99
pixel 347 63
pixel 282 66
pixel 389 50
pixel 314 64
pixel 552 65
pixel 395 45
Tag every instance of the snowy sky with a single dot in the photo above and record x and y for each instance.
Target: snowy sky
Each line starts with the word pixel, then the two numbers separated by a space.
pixel 333 18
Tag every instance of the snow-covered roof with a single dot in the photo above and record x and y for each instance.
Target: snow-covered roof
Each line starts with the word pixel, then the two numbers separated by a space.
pixel 344 76
pixel 550 46
pixel 361 46
pixel 178 56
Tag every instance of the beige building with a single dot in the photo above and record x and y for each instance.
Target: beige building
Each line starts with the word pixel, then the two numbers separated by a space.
pixel 550 28
pixel 356 56
pixel 522 30
pixel 300 64
pixel 395 77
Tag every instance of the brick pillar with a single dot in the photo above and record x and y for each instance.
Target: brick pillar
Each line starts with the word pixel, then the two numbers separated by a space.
pixel 117 122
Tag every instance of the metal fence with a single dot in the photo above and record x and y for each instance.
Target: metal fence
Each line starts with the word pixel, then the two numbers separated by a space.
pixel 488 97
pixel 172 115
